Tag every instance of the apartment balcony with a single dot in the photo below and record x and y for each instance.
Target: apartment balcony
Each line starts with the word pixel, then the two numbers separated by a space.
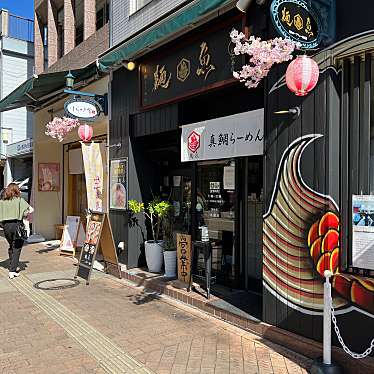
pixel 16 27
pixel 84 53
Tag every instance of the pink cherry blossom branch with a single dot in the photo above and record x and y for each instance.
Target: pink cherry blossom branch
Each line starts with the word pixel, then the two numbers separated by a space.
pixel 263 55
pixel 58 128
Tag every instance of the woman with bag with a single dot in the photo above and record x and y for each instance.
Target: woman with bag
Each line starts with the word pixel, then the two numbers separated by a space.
pixel 13 208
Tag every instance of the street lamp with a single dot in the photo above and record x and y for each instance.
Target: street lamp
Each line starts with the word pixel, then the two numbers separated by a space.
pixel 69 80
pixel 130 65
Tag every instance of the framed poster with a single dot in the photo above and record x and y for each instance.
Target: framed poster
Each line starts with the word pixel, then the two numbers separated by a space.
pixel 49 177
pixel 363 231
pixel 118 183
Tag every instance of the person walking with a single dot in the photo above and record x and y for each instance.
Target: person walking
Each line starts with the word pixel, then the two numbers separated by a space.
pixel 13 208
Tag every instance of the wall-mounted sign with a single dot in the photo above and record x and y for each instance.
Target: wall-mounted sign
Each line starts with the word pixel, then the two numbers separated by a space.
pixel 295 20
pixel 363 231
pixel 20 148
pixel 118 184
pixel 193 65
pixel 49 177
pixel 82 108
pixel 238 135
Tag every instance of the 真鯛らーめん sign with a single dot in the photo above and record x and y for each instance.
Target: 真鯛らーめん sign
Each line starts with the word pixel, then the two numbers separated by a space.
pixel 237 135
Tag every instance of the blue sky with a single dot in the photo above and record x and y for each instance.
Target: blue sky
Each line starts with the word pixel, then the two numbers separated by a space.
pixel 24 8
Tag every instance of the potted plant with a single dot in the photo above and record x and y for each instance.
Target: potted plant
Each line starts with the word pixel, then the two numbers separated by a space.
pixel 170 252
pixel 155 211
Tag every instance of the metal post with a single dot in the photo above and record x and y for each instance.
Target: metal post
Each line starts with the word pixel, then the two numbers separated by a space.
pixel 327 319
pixel 325 365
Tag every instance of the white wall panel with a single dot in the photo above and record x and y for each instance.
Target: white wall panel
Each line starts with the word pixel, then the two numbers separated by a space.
pixel 124 25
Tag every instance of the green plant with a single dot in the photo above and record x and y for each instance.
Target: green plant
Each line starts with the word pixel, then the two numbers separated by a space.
pixel 155 211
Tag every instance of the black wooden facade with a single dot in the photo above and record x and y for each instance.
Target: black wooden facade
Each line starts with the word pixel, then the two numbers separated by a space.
pixel 339 111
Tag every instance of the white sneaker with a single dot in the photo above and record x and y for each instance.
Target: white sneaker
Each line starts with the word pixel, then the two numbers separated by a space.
pixel 13 274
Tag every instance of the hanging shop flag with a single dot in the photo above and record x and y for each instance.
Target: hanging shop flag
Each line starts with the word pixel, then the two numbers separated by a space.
pixel 238 135
pixel 363 231
pixel 94 161
pixel 118 183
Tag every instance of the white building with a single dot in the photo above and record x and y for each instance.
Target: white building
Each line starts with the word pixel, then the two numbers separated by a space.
pixel 16 66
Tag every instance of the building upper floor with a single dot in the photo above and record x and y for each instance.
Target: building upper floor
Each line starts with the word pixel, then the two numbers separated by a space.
pixel 131 16
pixel 69 34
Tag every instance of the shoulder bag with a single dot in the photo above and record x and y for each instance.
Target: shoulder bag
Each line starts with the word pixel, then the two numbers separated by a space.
pixel 21 232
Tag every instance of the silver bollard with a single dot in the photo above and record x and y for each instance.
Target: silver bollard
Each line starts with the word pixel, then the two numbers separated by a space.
pixel 325 365
pixel 327 318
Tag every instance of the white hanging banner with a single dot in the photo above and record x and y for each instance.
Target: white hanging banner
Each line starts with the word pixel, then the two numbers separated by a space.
pixel 94 160
pixel 238 135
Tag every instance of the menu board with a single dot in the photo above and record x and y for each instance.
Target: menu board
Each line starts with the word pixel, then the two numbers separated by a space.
pixel 99 233
pixel 363 231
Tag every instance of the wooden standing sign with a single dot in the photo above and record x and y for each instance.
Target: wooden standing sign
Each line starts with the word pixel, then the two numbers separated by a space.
pixel 184 253
pixel 99 233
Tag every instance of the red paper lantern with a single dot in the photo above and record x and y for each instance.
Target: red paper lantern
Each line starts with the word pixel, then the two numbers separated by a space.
pixel 85 132
pixel 302 75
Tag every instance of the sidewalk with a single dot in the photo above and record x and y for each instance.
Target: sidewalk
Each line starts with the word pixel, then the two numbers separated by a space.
pixel 112 326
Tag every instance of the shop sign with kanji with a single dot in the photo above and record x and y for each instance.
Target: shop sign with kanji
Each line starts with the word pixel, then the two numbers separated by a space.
pixel 296 20
pixel 238 135
pixel 192 65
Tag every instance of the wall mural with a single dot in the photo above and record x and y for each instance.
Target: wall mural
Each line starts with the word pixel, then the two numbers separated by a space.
pixel 301 241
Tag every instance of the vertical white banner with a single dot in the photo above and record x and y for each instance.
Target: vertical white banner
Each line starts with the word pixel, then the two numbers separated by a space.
pixel 94 160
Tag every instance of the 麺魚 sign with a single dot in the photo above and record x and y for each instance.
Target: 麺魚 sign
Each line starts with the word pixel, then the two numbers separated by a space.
pixel 295 20
pixel 85 109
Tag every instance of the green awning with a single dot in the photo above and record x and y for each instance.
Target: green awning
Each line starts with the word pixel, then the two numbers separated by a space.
pixel 173 24
pixel 39 89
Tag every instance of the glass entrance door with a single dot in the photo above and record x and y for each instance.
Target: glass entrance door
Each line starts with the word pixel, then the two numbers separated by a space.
pixel 216 208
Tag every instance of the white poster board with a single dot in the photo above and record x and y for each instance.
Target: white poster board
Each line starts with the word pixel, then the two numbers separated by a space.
pixel 237 135
pixel 363 231
pixel 229 178
pixel 73 235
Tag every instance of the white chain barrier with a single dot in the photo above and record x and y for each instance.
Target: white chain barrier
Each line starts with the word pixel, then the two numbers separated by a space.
pixel 366 353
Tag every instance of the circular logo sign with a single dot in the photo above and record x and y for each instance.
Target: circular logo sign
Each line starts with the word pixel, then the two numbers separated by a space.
pixel 294 20
pixel 82 109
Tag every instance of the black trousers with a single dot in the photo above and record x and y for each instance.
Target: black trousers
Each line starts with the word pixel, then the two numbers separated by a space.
pixel 15 245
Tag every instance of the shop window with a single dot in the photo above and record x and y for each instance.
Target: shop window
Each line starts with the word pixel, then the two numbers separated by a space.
pixel 79 16
pixel 102 13
pixel 216 209
pixel 78 35
pixel 135 5
pixel 357 155
pixel 60 32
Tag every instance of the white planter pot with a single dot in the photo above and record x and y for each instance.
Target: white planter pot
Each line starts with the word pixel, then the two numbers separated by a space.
pixel 154 255
pixel 170 258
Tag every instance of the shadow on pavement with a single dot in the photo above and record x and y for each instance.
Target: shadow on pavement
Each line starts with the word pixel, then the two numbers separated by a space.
pixel 143 298
pixel 22 264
